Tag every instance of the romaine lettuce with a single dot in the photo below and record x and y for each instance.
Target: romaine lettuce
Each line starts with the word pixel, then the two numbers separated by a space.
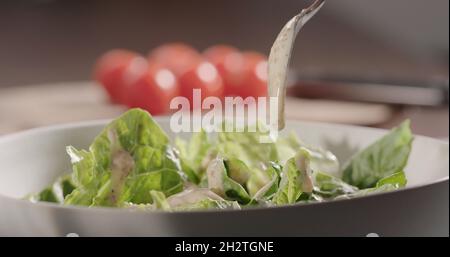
pixel 130 157
pixel 295 179
pixel 131 164
pixel 220 182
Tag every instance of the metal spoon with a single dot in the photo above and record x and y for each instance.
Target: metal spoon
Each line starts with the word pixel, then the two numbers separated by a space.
pixel 280 55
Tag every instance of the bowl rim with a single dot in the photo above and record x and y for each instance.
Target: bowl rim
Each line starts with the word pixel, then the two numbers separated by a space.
pixel 126 211
pixel 102 122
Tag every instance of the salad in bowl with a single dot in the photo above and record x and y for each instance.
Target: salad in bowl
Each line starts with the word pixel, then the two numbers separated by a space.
pixel 133 164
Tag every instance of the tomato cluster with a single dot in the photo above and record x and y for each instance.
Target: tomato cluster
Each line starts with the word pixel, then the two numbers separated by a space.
pixel 176 69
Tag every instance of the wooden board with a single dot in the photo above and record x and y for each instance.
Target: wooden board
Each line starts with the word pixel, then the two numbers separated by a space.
pixel 41 105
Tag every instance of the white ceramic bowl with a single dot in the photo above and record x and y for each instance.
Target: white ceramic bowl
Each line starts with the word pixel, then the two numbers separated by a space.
pixel 32 159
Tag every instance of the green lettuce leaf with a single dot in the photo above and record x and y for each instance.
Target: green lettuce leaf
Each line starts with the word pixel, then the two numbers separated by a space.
pixel 327 185
pixel 84 177
pixel 220 183
pixel 56 192
pixel 46 195
pixel 119 165
pixel 295 179
pixel 137 188
pixel 262 185
pixel 384 157
pixel 288 146
pixel 159 200
pixel 246 146
pixel 397 180
pixel 389 183
pixel 192 154
pixel 237 170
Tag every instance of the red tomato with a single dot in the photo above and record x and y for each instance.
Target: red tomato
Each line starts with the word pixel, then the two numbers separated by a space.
pixel 135 70
pixel 254 77
pixel 154 90
pixel 203 76
pixel 178 57
pixel 111 68
pixel 229 62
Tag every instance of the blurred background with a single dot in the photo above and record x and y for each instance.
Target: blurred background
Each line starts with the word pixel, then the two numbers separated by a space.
pixel 48 46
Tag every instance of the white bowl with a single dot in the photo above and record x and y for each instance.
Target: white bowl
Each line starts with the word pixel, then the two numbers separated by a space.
pixel 32 159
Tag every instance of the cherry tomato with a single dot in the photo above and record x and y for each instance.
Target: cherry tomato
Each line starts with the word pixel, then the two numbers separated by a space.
pixel 135 70
pixel 111 68
pixel 254 77
pixel 203 76
pixel 178 57
pixel 154 90
pixel 229 62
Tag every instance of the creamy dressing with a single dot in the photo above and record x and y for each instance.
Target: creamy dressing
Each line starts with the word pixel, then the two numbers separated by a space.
pixel 191 196
pixel 122 163
pixel 121 166
pixel 207 159
pixel 279 58
pixel 214 172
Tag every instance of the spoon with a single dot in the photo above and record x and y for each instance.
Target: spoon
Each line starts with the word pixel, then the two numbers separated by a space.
pixel 279 58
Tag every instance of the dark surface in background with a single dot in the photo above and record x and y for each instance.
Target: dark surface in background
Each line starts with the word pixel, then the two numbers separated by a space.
pixel 47 41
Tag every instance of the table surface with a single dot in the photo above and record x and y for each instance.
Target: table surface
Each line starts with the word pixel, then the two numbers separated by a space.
pixel 35 106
